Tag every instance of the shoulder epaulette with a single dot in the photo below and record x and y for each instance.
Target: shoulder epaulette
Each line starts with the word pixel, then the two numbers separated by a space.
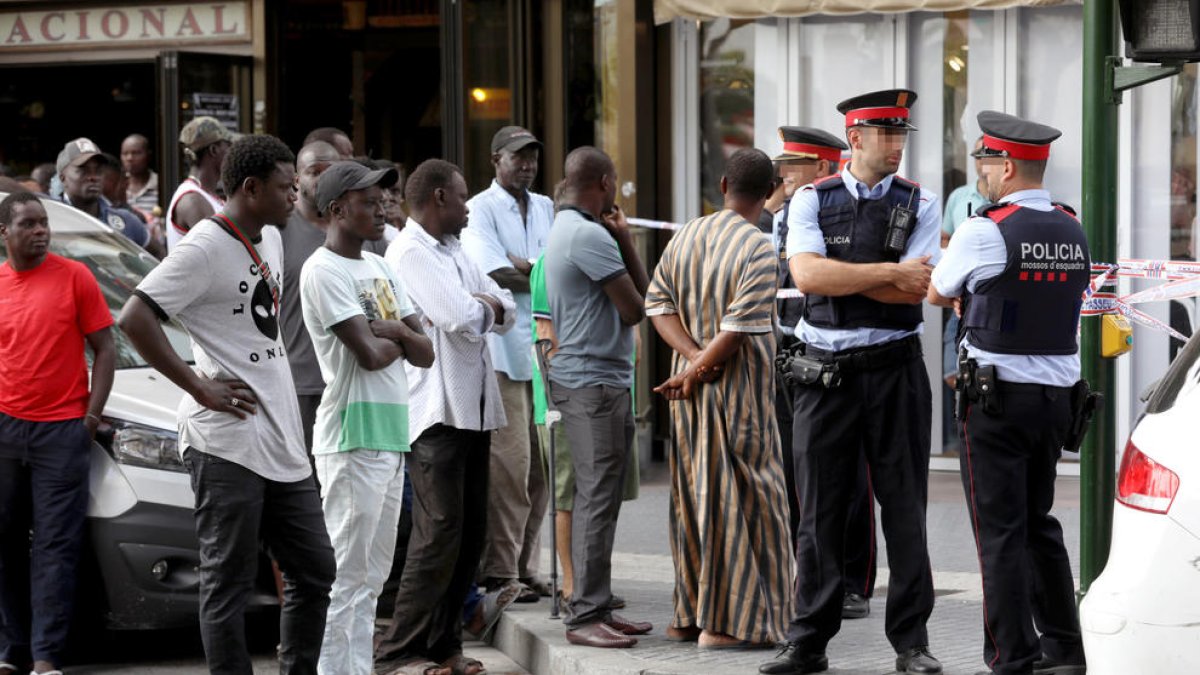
pixel 828 182
pixel 1066 209
pixel 997 212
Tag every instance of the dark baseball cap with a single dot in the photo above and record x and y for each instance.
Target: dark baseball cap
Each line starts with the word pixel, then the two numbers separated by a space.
pixel 513 139
pixel 77 153
pixel 342 177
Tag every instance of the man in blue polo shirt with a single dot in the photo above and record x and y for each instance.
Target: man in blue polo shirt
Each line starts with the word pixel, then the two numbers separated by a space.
pixel 80 167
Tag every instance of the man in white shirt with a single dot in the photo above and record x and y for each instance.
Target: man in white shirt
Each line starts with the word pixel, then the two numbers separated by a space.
pixel 508 231
pixel 363 331
pixel 453 408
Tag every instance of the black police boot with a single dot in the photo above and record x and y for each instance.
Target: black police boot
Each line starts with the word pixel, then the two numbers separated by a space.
pixel 855 606
pixel 792 660
pixel 1048 666
pixel 917 660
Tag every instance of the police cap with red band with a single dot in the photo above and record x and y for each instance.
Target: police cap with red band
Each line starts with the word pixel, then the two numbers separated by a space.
pixel 1014 138
pixel 808 143
pixel 888 109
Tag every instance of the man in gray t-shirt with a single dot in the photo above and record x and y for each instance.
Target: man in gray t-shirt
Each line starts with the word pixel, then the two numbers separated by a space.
pixel 595 283
pixel 239 426
pixel 594 343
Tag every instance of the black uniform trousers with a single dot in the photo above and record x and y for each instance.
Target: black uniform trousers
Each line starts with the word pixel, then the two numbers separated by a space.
pixel 884 415
pixel 1008 472
pixel 860 551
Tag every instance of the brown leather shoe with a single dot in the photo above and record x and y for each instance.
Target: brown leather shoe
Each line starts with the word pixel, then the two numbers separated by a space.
pixel 627 627
pixel 599 635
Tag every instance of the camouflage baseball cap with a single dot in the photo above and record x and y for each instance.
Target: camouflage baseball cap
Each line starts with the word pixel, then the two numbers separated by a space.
pixel 203 132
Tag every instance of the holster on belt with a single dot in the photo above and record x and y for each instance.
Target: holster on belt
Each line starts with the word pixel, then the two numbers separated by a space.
pixel 1084 404
pixel 796 368
pixel 975 384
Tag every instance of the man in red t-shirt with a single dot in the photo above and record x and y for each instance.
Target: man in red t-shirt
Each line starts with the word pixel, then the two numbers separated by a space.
pixel 48 416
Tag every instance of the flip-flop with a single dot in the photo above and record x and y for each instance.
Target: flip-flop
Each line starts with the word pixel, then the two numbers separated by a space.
pixel 417 668
pixel 494 604
pixel 464 665
pixel 729 643
pixel 689 634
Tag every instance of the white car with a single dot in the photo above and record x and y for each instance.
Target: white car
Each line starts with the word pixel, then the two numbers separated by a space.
pixel 139 569
pixel 1142 615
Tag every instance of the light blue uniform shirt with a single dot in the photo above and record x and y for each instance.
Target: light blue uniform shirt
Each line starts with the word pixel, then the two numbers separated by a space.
pixel 804 236
pixel 977 253
pixel 495 230
pixel 964 202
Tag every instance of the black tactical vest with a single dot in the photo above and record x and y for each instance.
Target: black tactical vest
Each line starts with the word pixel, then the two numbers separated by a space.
pixel 790 309
pixel 854 231
pixel 1032 307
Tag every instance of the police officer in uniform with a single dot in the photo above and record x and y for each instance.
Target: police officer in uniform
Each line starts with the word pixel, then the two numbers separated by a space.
pixel 809 155
pixel 859 247
pixel 1017 270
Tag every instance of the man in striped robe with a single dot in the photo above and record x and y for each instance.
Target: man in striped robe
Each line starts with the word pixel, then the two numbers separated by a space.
pixel 712 300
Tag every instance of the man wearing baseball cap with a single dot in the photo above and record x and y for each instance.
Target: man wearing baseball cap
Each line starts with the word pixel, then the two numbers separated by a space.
pixel 508 228
pixel 205 142
pixel 80 167
pixel 363 330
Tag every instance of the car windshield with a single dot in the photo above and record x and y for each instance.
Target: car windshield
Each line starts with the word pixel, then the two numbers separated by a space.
pixel 1182 377
pixel 119 266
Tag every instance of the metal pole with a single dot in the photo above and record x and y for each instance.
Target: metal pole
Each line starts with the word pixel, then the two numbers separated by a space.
pixel 1099 213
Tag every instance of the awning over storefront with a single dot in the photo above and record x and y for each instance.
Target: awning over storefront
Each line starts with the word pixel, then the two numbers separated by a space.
pixel 666 10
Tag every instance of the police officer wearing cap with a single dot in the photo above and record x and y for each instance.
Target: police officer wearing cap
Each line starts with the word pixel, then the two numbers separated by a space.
pixel 859 247
pixel 1017 271
pixel 808 155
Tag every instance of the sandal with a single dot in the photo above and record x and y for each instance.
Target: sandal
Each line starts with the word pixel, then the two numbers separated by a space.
pixel 494 604
pixel 419 668
pixel 527 594
pixel 464 665
pixel 539 585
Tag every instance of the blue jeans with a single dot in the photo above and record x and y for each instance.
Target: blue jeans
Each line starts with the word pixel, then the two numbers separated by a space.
pixel 43 488
pixel 235 508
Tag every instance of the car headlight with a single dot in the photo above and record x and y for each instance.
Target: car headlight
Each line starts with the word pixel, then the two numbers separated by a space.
pixel 139 445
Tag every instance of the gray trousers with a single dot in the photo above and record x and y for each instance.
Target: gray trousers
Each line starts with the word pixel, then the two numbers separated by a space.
pixel 599 425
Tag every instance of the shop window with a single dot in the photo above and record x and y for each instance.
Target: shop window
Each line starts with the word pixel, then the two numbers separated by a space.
pixel 488 73
pixel 1182 233
pixel 726 101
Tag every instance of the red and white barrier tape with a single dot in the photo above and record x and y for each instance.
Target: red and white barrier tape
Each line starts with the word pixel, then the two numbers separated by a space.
pixel 1183 281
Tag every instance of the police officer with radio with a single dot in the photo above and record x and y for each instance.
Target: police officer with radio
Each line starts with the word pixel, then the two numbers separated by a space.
pixel 859 246
pixel 808 155
pixel 1017 271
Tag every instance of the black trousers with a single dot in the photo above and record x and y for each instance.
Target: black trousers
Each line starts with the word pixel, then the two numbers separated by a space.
pixel 1008 473
pixel 235 509
pixel 448 468
pixel 860 546
pixel 43 489
pixel 883 415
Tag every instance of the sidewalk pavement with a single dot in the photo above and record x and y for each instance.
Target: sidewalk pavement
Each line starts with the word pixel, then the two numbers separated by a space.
pixel 644 574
